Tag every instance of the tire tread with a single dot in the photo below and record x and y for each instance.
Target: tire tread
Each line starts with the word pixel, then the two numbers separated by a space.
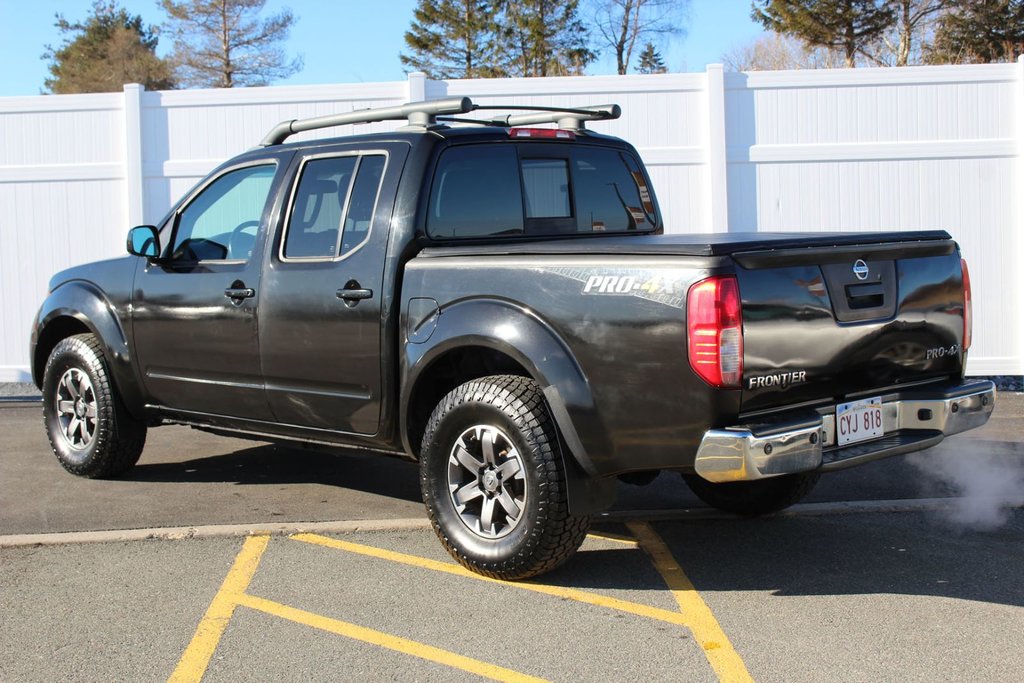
pixel 557 534
pixel 120 438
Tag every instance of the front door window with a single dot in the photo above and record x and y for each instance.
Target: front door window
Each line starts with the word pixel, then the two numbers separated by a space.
pixel 221 223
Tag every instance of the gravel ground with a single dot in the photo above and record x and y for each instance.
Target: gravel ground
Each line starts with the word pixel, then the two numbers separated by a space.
pixel 18 390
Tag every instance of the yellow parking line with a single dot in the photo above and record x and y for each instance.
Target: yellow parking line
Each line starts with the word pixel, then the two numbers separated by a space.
pixel 702 623
pixel 608 536
pixel 196 658
pixel 586 597
pixel 367 635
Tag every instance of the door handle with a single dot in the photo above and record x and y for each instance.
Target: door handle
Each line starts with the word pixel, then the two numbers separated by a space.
pixel 236 294
pixel 354 294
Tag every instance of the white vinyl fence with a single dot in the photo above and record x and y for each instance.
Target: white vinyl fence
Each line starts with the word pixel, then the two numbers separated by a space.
pixel 865 149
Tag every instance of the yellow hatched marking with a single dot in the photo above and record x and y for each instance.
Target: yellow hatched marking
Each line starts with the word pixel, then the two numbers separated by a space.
pixel 396 643
pixel 586 597
pixel 196 658
pixel 701 621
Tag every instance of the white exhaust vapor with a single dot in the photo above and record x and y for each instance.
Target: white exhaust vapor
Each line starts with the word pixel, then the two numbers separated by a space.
pixel 987 485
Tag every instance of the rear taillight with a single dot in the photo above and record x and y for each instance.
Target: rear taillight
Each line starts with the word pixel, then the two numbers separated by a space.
pixel 714 331
pixel 968 314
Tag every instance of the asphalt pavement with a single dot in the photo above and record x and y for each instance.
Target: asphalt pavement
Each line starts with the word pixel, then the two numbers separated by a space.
pixel 906 569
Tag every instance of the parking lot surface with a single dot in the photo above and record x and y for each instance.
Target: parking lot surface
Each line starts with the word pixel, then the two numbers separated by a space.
pixel 908 569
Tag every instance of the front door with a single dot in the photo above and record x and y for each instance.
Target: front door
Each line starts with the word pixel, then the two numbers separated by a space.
pixel 320 313
pixel 195 309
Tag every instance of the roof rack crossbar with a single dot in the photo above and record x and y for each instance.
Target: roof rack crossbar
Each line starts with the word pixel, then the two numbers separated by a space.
pixel 567 119
pixel 418 114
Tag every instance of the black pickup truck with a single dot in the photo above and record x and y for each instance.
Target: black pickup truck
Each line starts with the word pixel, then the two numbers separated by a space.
pixel 497 300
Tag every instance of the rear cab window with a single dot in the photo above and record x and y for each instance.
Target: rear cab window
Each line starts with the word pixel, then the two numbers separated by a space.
pixel 507 189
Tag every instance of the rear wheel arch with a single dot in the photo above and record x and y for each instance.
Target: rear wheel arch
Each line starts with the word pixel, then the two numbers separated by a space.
pixel 526 346
pixel 443 373
pixel 529 349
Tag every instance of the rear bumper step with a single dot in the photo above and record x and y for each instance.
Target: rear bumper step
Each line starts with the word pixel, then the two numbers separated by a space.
pixel 913 421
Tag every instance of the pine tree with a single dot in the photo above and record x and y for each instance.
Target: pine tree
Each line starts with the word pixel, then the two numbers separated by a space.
pixel 544 38
pixel 651 61
pixel 224 43
pixel 846 25
pixel 453 39
pixel 105 51
pixel 980 31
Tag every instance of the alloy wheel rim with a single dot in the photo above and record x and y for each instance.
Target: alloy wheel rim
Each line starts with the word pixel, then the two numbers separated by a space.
pixel 487 481
pixel 77 408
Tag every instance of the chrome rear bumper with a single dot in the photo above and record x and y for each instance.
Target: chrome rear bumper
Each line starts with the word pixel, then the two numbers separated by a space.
pixel 912 423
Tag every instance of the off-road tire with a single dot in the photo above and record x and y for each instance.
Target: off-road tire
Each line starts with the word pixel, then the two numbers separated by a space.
pixel 546 534
pixel 116 439
pixel 753 498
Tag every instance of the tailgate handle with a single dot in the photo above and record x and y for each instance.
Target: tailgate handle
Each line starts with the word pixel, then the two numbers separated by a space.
pixel 867 295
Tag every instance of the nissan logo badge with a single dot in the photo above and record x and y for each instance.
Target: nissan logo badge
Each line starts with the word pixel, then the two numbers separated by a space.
pixel 860 269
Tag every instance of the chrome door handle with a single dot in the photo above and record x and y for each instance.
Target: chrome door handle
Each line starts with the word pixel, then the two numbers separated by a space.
pixel 238 293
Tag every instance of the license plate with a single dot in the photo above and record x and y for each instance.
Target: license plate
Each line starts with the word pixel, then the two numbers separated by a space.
pixel 859 421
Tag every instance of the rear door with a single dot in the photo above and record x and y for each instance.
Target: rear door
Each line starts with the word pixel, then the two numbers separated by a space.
pixel 831 322
pixel 320 309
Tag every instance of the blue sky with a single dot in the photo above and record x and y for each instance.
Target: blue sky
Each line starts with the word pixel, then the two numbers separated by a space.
pixel 342 41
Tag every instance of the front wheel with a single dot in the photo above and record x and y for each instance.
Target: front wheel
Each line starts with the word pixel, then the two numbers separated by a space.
pixel 90 431
pixel 752 498
pixel 493 480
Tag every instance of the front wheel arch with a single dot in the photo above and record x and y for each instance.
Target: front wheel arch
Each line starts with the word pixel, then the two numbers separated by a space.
pixel 80 307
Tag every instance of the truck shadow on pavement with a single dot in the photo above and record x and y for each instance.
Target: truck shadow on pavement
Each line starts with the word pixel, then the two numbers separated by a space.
pixel 901 553
pixel 279 465
pixel 860 554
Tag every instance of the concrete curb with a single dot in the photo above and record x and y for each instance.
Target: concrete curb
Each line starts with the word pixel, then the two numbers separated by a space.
pixel 351 526
pixel 210 531
pixel 801 510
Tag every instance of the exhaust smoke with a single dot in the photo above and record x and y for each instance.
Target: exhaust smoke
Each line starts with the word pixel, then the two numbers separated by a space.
pixel 987 486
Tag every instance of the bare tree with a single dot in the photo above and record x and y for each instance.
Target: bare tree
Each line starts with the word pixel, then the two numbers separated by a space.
pixel 779 52
pixel 623 24
pixel 224 43
pixel 903 44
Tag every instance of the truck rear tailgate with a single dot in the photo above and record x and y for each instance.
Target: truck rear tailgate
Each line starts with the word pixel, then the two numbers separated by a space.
pixel 830 322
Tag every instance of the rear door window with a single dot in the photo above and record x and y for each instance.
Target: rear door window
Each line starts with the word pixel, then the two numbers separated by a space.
pixel 333 206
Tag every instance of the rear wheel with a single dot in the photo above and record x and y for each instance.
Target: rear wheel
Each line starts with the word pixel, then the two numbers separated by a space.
pixel 89 429
pixel 493 480
pixel 752 498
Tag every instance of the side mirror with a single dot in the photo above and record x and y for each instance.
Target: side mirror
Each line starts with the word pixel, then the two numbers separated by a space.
pixel 144 241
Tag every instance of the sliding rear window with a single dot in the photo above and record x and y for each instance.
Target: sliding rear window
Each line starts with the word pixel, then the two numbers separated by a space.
pixel 505 189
